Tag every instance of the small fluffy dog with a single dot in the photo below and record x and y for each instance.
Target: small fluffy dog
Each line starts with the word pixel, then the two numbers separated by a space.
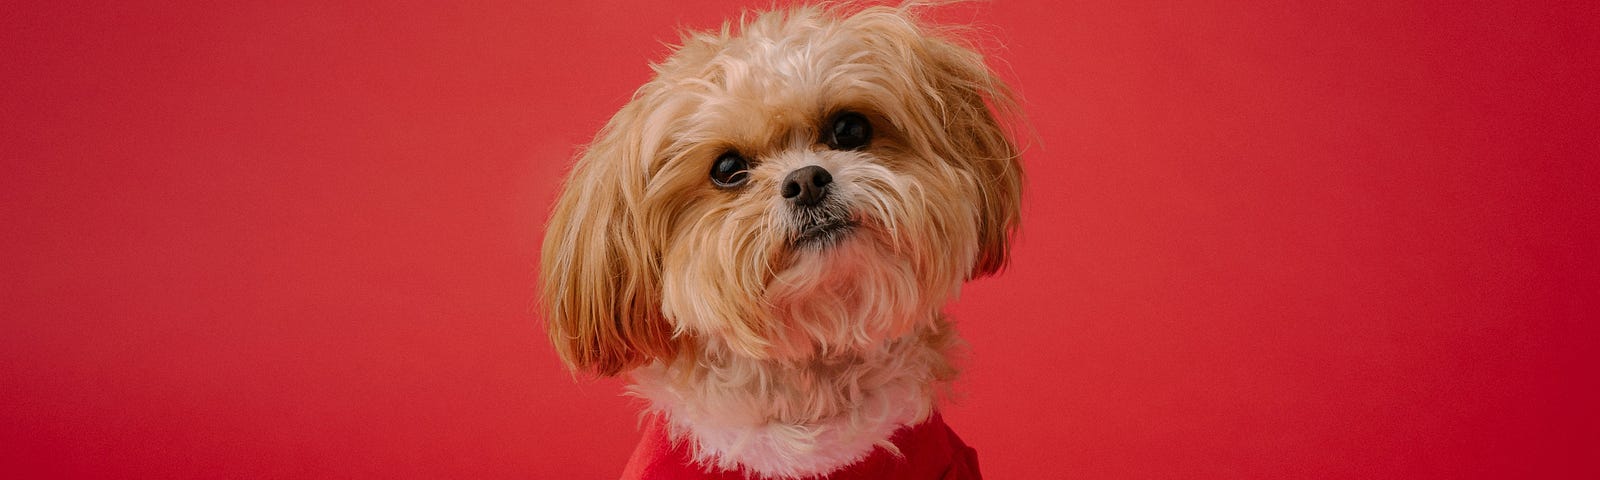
pixel 763 237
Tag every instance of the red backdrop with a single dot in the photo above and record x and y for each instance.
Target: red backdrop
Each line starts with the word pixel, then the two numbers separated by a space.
pixel 1261 240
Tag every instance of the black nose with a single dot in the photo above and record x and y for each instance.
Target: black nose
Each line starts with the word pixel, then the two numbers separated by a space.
pixel 807 186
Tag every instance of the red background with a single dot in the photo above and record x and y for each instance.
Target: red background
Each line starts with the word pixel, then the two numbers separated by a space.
pixel 1261 240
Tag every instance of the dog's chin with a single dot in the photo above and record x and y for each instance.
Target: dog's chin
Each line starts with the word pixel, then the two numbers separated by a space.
pixel 824 234
pixel 830 252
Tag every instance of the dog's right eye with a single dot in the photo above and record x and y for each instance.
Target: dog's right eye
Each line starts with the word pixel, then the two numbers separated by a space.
pixel 730 170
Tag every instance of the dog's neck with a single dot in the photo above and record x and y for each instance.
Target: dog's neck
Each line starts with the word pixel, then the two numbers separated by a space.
pixel 789 419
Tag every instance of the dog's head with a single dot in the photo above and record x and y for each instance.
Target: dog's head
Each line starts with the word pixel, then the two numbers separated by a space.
pixel 813 183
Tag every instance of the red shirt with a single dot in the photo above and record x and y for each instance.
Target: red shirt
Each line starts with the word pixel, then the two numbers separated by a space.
pixel 932 452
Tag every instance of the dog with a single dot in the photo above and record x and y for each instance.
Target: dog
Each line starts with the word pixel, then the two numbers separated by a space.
pixel 762 240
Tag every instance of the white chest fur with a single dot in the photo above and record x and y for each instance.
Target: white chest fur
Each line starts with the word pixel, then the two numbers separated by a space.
pixel 788 420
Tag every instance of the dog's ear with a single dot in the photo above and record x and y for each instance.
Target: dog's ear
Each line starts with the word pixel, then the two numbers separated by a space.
pixel 600 267
pixel 976 103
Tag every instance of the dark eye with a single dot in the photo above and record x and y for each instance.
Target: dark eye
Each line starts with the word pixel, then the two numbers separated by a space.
pixel 730 170
pixel 850 131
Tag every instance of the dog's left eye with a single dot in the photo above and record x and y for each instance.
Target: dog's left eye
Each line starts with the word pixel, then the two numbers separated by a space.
pixel 730 170
pixel 850 131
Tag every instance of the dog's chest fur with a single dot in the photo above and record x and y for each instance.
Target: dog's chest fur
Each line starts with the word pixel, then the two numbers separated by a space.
pixel 797 420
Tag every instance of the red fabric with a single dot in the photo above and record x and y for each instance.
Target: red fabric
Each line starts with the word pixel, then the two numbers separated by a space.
pixel 931 451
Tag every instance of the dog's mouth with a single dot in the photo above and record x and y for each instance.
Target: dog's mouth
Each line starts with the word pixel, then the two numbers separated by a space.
pixel 824 232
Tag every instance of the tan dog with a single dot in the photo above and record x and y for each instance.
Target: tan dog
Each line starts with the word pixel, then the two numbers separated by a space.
pixel 764 236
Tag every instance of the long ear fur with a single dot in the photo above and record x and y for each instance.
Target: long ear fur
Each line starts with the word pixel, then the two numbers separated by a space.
pixel 601 271
pixel 975 102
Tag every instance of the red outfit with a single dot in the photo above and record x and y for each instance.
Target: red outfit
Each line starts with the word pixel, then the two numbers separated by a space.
pixel 932 452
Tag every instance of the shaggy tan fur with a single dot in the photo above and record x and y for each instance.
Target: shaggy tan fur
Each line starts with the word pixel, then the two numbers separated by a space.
pixel 783 358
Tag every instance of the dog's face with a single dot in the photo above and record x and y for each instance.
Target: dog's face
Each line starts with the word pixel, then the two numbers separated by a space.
pixel 812 185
